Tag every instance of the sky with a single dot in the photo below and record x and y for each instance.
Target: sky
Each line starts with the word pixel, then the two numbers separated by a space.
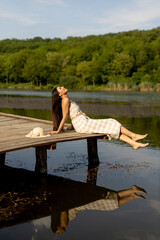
pixel 23 19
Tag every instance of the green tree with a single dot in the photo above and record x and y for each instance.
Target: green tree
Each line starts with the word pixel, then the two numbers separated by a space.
pixel 2 69
pixel 56 63
pixel 69 81
pixel 84 71
pixel 17 63
pixel 35 70
pixel 122 65
pixel 7 68
pixel 105 63
pixel 95 70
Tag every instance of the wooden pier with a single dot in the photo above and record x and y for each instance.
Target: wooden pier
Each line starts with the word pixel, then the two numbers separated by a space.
pixel 13 130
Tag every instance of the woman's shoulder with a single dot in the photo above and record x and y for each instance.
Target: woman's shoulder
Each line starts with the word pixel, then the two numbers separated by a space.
pixel 65 101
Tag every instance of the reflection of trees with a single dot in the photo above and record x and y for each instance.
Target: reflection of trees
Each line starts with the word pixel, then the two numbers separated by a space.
pixel 25 197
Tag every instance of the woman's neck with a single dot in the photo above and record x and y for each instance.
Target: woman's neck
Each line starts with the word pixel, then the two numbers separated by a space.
pixel 64 96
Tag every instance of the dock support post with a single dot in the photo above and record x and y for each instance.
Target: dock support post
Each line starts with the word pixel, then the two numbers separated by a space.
pixel 92 151
pixel 92 173
pixel 2 159
pixel 41 160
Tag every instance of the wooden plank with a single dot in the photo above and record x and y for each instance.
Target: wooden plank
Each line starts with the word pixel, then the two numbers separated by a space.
pixel 28 124
pixel 38 142
pixel 4 119
pixel 18 122
pixel 21 129
pixel 53 139
pixel 25 128
pixel 25 118
pixel 14 122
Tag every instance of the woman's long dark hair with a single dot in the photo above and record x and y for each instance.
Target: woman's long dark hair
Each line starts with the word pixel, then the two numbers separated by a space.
pixel 56 109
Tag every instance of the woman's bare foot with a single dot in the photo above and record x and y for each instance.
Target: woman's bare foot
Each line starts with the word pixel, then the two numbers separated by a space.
pixel 137 137
pixel 136 189
pixel 139 145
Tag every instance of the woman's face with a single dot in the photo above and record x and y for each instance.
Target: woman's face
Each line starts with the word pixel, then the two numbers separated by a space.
pixel 62 91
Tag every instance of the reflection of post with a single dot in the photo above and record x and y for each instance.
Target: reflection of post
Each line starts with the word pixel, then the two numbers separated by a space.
pixel 41 160
pixel 92 150
pixel 92 173
pixel 2 159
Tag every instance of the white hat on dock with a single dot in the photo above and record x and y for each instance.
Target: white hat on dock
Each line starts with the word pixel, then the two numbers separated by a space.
pixel 37 132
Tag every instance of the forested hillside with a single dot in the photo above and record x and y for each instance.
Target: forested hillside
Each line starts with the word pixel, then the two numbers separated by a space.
pixel 128 60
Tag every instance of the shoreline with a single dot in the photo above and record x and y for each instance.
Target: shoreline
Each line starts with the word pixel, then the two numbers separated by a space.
pixel 115 88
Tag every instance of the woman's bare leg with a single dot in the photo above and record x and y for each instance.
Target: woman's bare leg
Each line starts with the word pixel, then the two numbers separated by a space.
pixel 134 144
pixel 129 198
pixel 135 137
pixel 133 189
pixel 130 194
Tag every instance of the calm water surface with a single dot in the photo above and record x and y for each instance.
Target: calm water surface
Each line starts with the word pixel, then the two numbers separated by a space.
pixel 140 97
pixel 33 208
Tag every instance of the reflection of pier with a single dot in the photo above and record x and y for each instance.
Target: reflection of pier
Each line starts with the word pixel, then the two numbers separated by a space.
pixel 26 196
pixel 13 129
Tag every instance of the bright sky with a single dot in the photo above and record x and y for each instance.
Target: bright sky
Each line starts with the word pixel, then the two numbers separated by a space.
pixel 62 18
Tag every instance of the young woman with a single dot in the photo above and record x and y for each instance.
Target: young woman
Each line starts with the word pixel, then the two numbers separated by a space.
pixel 62 107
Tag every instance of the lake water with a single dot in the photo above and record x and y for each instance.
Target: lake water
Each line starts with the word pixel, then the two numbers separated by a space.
pixel 34 208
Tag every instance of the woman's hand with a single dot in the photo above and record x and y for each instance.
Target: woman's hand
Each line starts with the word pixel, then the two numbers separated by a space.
pixel 53 132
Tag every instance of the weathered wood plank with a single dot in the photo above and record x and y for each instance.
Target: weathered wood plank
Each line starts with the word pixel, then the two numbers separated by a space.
pixel 24 128
pixel 66 136
pixel 15 122
pixel 25 118
pixel 4 119
pixel 39 142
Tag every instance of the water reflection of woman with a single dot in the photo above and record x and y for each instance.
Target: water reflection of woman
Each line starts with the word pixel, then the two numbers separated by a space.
pixel 110 200
pixel 62 106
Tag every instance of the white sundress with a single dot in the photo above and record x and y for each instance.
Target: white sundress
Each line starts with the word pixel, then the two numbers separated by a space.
pixel 84 124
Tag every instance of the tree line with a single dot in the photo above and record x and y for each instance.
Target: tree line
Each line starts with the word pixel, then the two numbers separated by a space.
pixel 130 59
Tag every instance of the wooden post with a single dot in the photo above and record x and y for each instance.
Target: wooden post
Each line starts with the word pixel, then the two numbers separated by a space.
pixel 41 160
pixel 92 173
pixel 2 159
pixel 92 151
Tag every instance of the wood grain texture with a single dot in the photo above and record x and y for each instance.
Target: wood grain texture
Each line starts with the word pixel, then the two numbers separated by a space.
pixel 13 130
